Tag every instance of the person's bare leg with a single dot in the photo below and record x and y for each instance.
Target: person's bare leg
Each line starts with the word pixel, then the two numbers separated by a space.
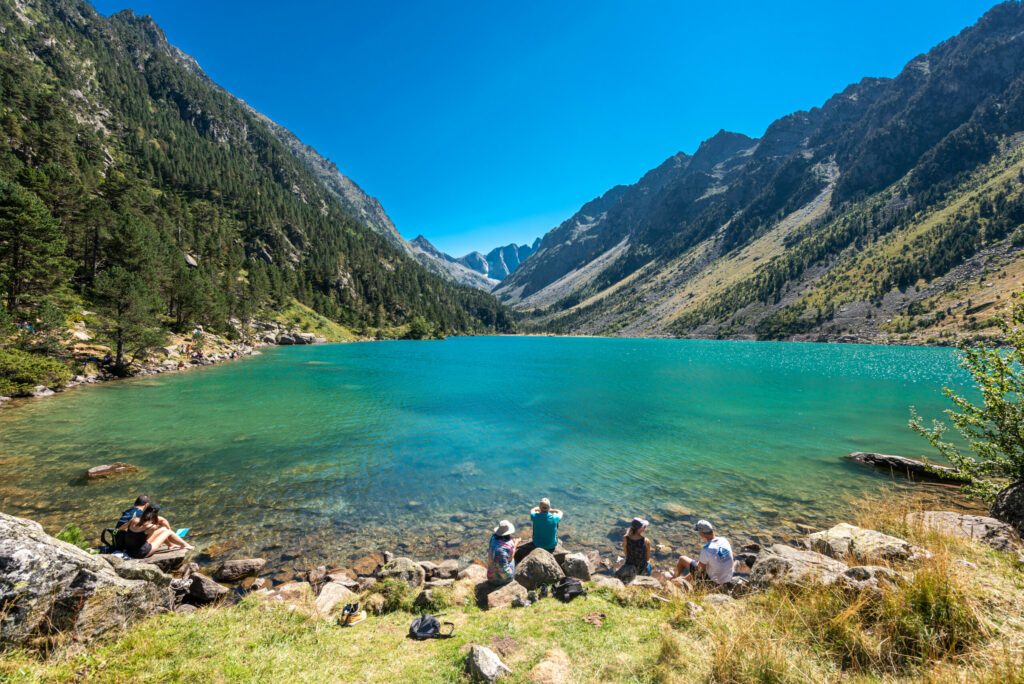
pixel 683 566
pixel 178 541
pixel 157 539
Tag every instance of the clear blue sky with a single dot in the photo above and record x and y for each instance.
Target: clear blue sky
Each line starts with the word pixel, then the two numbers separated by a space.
pixel 483 122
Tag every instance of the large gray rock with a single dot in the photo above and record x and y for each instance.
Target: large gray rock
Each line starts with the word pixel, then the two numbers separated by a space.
pixel 446 569
pixel 48 587
pixel 110 469
pixel 577 565
pixel 168 560
pixel 234 570
pixel 538 568
pixel 204 590
pixel 502 596
pixel 474 573
pixel 997 534
pixel 781 564
pixel 1009 507
pixel 484 665
pixel 607 582
pixel 403 569
pixel 845 541
pixel 332 597
pixel 908 467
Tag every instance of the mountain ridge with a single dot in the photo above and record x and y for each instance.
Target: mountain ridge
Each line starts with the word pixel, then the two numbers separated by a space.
pixel 719 244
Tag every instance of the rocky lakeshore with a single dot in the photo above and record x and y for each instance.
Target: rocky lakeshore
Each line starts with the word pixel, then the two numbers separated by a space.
pixel 59 597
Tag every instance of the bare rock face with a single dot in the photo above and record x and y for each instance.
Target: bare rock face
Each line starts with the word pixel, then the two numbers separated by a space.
pixel 538 568
pixel 1009 507
pixel 483 665
pixel 997 534
pixel 403 569
pixel 781 564
pixel 234 570
pixel 48 586
pixel 110 469
pixel 845 540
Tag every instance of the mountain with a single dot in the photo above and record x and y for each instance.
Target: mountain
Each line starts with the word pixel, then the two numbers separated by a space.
pixel 133 184
pixel 892 212
pixel 474 269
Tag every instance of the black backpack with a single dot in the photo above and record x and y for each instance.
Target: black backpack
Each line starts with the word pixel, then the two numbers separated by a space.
pixel 429 627
pixel 112 540
pixel 567 589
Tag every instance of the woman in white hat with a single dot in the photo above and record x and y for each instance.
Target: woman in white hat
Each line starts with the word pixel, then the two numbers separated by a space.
pixel 501 554
pixel 637 548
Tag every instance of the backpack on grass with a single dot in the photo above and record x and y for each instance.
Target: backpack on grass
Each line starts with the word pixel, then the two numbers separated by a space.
pixel 568 588
pixel 429 627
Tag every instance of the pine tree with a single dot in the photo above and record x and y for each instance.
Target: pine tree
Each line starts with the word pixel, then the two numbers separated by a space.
pixel 32 262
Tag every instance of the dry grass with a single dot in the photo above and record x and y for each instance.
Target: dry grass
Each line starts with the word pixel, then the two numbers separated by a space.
pixel 948 622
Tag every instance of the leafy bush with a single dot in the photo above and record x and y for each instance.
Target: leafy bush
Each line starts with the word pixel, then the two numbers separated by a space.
pixel 73 534
pixel 397 595
pixel 21 372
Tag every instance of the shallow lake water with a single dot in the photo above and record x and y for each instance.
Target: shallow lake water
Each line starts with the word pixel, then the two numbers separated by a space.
pixel 321 454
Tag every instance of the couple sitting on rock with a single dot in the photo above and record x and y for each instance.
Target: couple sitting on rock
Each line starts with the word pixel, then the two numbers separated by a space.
pixel 715 562
pixel 503 550
pixel 144 531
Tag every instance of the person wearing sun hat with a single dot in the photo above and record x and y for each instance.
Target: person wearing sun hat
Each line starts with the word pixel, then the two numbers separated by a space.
pixel 715 562
pixel 501 554
pixel 637 548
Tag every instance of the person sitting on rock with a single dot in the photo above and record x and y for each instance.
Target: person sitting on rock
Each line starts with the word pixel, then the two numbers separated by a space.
pixel 501 554
pixel 637 548
pixel 136 511
pixel 145 535
pixel 545 521
pixel 715 562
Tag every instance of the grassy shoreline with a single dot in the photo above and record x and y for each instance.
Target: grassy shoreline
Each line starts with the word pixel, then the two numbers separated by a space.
pixel 959 616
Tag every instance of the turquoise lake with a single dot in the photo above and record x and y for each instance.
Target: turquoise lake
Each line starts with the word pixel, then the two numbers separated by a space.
pixel 320 454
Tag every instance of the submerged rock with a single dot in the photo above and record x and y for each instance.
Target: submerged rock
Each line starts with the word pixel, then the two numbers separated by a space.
pixel 48 587
pixel 110 469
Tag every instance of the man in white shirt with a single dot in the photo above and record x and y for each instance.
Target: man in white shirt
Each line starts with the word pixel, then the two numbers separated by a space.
pixel 715 562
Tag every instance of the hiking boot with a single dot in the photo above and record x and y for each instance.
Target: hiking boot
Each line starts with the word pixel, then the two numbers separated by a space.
pixel 544 591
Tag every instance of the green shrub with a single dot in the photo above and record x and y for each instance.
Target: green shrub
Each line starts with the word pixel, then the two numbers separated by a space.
pixel 397 595
pixel 21 372
pixel 72 534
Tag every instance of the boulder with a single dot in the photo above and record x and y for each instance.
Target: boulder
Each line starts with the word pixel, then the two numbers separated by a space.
pixel 1009 507
pixel 483 665
pixel 446 569
pixel 871 576
pixel 554 668
pixel 368 565
pixel 604 581
pixel 138 570
pixel 168 560
pixel 285 339
pixel 473 572
pixel 404 569
pixel 294 595
pixel 331 597
pixel 990 531
pixel 365 584
pixel 49 587
pixel 234 570
pixel 42 391
pixel 305 338
pixel 203 589
pixel 908 467
pixel 577 565
pixel 781 564
pixel 501 597
pixel 645 582
pixel 845 540
pixel 185 609
pixel 110 469
pixel 540 567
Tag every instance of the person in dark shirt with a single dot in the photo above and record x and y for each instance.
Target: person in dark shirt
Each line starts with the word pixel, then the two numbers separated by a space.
pixel 145 535
pixel 136 511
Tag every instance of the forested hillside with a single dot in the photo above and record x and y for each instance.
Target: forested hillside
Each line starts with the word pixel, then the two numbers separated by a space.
pixel 133 186
pixel 892 212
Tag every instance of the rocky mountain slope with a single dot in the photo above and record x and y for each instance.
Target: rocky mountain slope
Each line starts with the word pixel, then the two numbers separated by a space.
pixel 892 212
pixel 156 196
pixel 485 271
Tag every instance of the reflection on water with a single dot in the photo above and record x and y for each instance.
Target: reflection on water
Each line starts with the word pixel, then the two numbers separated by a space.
pixel 324 453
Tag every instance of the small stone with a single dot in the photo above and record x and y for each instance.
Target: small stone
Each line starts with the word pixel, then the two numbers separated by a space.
pixel 604 581
pixel 645 582
pixel 185 609
pixel 718 599
pixel 473 572
pixel 484 666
